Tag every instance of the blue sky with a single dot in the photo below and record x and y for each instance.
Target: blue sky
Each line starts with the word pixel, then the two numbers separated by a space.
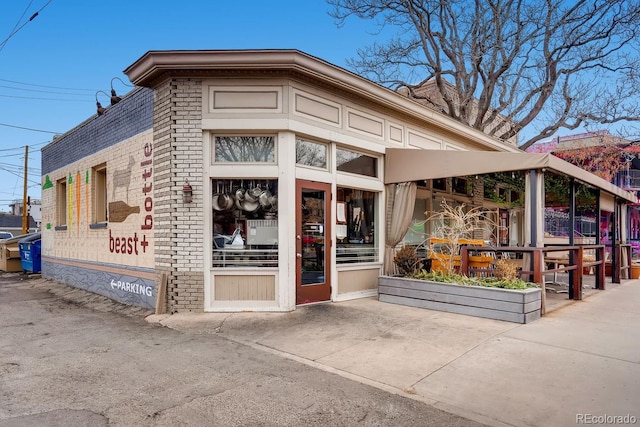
pixel 52 67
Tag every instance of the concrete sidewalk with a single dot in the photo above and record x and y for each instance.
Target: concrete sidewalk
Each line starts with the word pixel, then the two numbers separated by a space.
pixel 576 363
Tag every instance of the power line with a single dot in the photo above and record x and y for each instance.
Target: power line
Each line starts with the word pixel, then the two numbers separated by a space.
pixel 12 149
pixel 16 154
pixel 21 149
pixel 22 16
pixel 15 31
pixel 20 176
pixel 31 129
pixel 48 87
pixel 44 99
pixel 13 165
pixel 43 91
pixel 18 167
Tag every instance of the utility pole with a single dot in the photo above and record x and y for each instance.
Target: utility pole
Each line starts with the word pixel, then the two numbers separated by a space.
pixel 25 217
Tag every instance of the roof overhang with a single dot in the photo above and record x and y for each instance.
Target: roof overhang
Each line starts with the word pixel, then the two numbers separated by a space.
pixel 156 66
pixel 407 164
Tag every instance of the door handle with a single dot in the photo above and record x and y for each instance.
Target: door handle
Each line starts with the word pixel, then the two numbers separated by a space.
pixel 299 255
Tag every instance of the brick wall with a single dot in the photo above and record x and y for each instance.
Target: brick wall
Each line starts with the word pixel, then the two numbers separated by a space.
pixel 131 116
pixel 179 227
pixel 78 239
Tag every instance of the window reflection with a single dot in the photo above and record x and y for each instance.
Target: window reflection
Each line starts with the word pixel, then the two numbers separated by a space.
pixel 244 149
pixel 358 163
pixel 311 154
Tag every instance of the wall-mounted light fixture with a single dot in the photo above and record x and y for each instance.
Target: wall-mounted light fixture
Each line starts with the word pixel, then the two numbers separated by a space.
pixel 114 97
pixel 100 108
pixel 187 192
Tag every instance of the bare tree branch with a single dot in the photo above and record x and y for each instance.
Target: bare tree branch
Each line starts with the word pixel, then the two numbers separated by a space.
pixel 502 66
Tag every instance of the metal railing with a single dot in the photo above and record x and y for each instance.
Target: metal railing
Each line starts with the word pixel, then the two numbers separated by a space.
pixel 535 264
pixel 628 179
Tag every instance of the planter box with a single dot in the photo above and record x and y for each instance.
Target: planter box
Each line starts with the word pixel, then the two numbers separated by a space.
pixel 493 303
pixel 635 270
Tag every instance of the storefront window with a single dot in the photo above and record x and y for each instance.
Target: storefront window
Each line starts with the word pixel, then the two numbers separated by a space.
pixel 358 163
pixel 556 221
pixel 245 223
pixel 244 149
pixel 355 228
pixel 311 154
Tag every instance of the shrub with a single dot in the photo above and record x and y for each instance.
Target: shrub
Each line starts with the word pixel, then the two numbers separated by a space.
pixel 506 270
pixel 407 261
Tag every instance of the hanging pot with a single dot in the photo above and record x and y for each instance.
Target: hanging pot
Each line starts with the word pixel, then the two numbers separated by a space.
pixel 252 194
pixel 249 206
pixel 229 199
pixel 240 192
pixel 255 192
pixel 238 203
pixel 231 203
pixel 225 201
pixel 214 203
pixel 273 201
pixel 215 200
pixel 265 198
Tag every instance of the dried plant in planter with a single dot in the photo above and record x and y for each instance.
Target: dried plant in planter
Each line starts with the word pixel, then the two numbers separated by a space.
pixel 407 261
pixel 506 270
pixel 454 225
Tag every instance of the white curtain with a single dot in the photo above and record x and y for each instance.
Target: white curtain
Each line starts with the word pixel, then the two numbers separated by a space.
pixel 401 199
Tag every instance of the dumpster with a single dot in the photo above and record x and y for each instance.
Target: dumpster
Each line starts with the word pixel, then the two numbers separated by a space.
pixel 10 254
pixel 30 253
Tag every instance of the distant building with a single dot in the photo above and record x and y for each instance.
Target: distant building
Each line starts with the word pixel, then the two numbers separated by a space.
pixel 624 154
pixel 624 167
pixel 577 141
pixel 34 210
pixel 429 95
pixel 13 224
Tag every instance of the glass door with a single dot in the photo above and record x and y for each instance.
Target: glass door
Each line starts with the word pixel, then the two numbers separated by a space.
pixel 313 244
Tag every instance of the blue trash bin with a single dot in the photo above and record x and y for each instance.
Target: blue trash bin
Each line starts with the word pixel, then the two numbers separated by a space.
pixel 30 257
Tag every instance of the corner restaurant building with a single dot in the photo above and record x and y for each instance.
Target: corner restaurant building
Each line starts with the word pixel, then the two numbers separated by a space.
pixel 253 180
